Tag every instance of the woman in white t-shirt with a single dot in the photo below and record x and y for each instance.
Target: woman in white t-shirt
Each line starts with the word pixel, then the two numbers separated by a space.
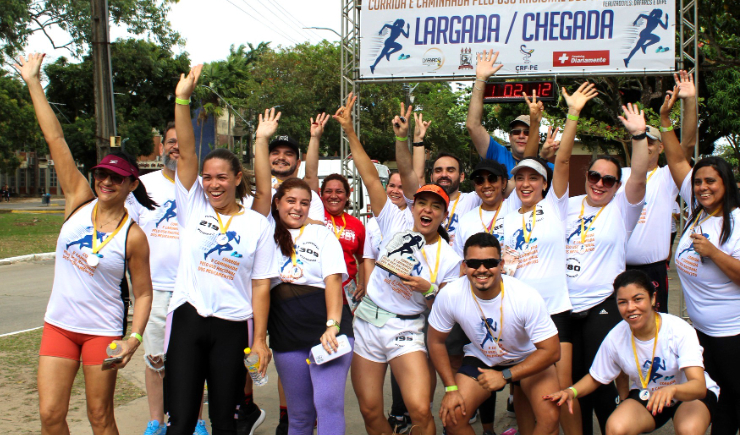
pixel 389 321
pixel 227 258
pixel 663 359
pixel 708 261
pixel 597 232
pixel 89 300
pixel 534 236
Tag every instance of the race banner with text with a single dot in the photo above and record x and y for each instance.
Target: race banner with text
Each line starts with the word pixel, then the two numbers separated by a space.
pixel 440 38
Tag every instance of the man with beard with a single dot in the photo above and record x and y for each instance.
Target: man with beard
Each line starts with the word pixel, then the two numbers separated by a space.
pixel 447 174
pixel 284 163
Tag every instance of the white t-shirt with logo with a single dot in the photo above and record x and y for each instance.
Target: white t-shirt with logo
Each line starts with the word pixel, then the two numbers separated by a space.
pixel 650 240
pixel 387 290
pixel 465 202
pixel 541 262
pixel 678 348
pixel 318 255
pixel 525 320
pixel 161 228
pixel 471 223
pixel 373 239
pixel 591 270
pixel 217 278
pixel 712 299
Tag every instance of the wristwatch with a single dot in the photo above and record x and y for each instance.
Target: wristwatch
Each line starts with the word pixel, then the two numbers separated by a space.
pixel 332 322
pixel 640 136
pixel 432 292
pixel 507 375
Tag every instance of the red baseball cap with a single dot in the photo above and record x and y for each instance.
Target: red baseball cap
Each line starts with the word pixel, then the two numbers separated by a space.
pixel 119 165
pixel 435 189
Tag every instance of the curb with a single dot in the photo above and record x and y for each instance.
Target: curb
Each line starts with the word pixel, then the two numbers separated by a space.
pixel 27 258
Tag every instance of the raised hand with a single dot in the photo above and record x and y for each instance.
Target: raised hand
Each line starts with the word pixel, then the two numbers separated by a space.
pixel 344 114
pixel 401 121
pixel 268 124
pixel 187 84
pixel 669 101
pixel 485 67
pixel 420 130
pixel 551 145
pixel 30 69
pixel 317 125
pixel 633 119
pixel 685 83
pixel 581 96
pixel 535 107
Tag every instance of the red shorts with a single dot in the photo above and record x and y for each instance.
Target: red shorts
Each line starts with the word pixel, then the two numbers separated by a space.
pixel 60 343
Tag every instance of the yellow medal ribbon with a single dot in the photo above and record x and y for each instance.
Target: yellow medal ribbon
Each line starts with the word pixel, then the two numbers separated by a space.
pixel 293 258
pixel 585 231
pixel 691 230
pixel 433 273
pixel 95 247
pixel 483 315
pixel 454 206
pixel 489 228
pixel 168 177
pixel 651 175
pixel 334 225
pixel 221 226
pixel 645 380
pixel 528 235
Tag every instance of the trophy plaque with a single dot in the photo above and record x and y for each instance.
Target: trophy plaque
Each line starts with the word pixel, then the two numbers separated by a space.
pixel 399 255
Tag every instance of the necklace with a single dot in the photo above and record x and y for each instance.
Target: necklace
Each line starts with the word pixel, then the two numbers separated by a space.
pixel 645 393
pixel 222 238
pixel 489 228
pixel 528 235
pixel 334 226
pixel 449 219
pixel 583 209
pixel 433 273
pixel 94 259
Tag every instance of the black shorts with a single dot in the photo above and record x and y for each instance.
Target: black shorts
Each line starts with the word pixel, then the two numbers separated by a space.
pixel 471 364
pixel 456 341
pixel 710 401
pixel 563 324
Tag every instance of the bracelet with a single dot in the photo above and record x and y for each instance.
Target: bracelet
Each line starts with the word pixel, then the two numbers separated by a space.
pixel 430 291
pixel 572 117
pixel 136 336
pixel 182 102
pixel 450 388
pixel 575 392
pixel 665 129
pixel 640 136
pixel 418 144
pixel 402 139
pixel 477 88
pixel 480 80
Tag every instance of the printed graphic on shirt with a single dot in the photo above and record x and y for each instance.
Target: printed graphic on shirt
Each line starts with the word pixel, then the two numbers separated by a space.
pixel 290 273
pixel 83 239
pixel 400 257
pixel 165 217
pixel 643 214
pixel 221 248
pixel 574 239
pixel 687 260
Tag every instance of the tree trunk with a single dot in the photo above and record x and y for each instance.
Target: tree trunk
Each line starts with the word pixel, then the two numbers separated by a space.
pixel 105 118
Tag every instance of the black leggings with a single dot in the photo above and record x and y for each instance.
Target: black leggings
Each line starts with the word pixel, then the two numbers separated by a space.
pixel 204 349
pixel 721 355
pixel 588 333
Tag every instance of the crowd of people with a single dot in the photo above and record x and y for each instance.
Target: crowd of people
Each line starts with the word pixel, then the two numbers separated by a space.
pixel 564 299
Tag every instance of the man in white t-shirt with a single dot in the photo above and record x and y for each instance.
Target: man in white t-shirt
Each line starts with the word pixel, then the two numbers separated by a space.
pixel 285 160
pixel 513 340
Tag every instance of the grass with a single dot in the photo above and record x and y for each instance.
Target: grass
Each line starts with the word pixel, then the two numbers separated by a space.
pixel 22 233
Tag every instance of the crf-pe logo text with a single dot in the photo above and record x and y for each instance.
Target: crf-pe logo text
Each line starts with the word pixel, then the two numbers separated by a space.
pixel 580 58
pixel 433 58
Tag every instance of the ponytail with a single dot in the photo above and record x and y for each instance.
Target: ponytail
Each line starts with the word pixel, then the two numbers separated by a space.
pixel 443 233
pixel 242 189
pixel 282 236
pixel 143 198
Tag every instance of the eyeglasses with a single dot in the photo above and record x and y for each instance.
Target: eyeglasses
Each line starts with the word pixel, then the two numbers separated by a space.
pixel 480 179
pixel 519 131
pixel 101 175
pixel 488 263
pixel 607 180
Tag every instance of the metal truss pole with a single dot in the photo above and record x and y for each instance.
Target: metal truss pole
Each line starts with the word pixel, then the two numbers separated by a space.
pixel 350 62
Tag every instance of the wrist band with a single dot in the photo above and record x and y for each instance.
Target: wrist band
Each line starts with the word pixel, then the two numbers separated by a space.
pixel 430 291
pixel 640 136
pixel 136 336
pixel 451 388
pixel 480 80
pixel 572 117
pixel 402 139
pixel 477 88
pixel 665 129
pixel 182 102
pixel 418 144
pixel 575 392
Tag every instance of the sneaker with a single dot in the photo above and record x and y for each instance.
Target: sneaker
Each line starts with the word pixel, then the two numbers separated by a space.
pixel 200 428
pixel 510 407
pixel 282 428
pixel 154 428
pixel 399 423
pixel 247 423
pixel 474 418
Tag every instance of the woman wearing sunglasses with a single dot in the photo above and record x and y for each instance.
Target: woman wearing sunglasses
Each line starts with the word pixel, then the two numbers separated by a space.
pixel 534 235
pixel 708 263
pixel 388 322
pixel 598 227
pixel 89 299
pixel 226 263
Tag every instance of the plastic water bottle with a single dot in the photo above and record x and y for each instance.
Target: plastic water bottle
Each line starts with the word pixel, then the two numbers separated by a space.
pixel 115 349
pixel 252 361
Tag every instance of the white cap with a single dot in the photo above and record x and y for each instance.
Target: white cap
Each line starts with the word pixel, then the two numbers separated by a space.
pixel 532 164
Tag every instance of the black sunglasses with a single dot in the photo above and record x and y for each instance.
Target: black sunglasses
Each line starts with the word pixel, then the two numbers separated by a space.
pixel 488 263
pixel 101 175
pixel 518 131
pixel 607 180
pixel 480 179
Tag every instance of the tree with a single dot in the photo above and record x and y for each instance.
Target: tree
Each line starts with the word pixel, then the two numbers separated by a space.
pixel 18 127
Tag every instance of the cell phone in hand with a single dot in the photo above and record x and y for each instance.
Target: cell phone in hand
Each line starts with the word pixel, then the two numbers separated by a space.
pixel 109 362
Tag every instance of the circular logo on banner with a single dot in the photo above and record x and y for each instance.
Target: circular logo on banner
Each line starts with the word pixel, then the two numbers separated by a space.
pixel 572 267
pixel 433 58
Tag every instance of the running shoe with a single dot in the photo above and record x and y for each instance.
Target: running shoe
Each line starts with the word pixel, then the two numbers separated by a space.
pixel 400 423
pixel 200 428
pixel 282 428
pixel 154 428
pixel 246 424
pixel 510 407
pixel 474 418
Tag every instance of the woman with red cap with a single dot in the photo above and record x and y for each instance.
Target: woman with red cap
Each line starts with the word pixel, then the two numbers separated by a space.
pixel 89 299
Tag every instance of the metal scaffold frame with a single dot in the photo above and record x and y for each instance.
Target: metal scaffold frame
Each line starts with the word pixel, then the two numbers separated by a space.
pixel 350 62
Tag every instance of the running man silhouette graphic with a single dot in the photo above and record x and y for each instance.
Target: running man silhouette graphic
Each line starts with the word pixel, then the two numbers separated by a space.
pixel 691 247
pixel 647 37
pixel 391 46
pixel 488 325
pixel 225 247
pixel 519 237
pixel 658 364
pixel 577 231
pixel 169 213
pixel 408 247
pixel 86 240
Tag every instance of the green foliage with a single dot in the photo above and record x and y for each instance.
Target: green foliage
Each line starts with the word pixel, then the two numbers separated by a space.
pixel 18 127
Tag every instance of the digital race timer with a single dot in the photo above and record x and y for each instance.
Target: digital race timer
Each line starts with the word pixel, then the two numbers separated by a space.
pixel 511 92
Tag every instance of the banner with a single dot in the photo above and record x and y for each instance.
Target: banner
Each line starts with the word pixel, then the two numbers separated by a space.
pixel 423 39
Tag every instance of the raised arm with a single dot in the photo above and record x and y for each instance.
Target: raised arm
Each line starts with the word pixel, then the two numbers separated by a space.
pixel 575 102
pixel 187 164
pixel 266 128
pixel 311 175
pixel 484 69
pixel 535 117
pixel 364 165
pixel 74 185
pixel 634 122
pixel 420 151
pixel 687 93
pixel 409 179
pixel 674 155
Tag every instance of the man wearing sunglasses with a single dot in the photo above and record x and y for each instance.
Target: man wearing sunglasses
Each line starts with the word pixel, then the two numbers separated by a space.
pixel 513 341
pixel 487 147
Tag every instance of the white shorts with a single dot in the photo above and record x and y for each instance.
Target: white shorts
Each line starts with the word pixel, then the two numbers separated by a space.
pixel 397 337
pixel 154 332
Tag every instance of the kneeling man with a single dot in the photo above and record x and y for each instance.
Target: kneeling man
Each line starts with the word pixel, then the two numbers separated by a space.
pixel 513 341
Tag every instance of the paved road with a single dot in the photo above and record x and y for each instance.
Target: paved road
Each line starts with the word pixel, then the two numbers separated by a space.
pixel 24 292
